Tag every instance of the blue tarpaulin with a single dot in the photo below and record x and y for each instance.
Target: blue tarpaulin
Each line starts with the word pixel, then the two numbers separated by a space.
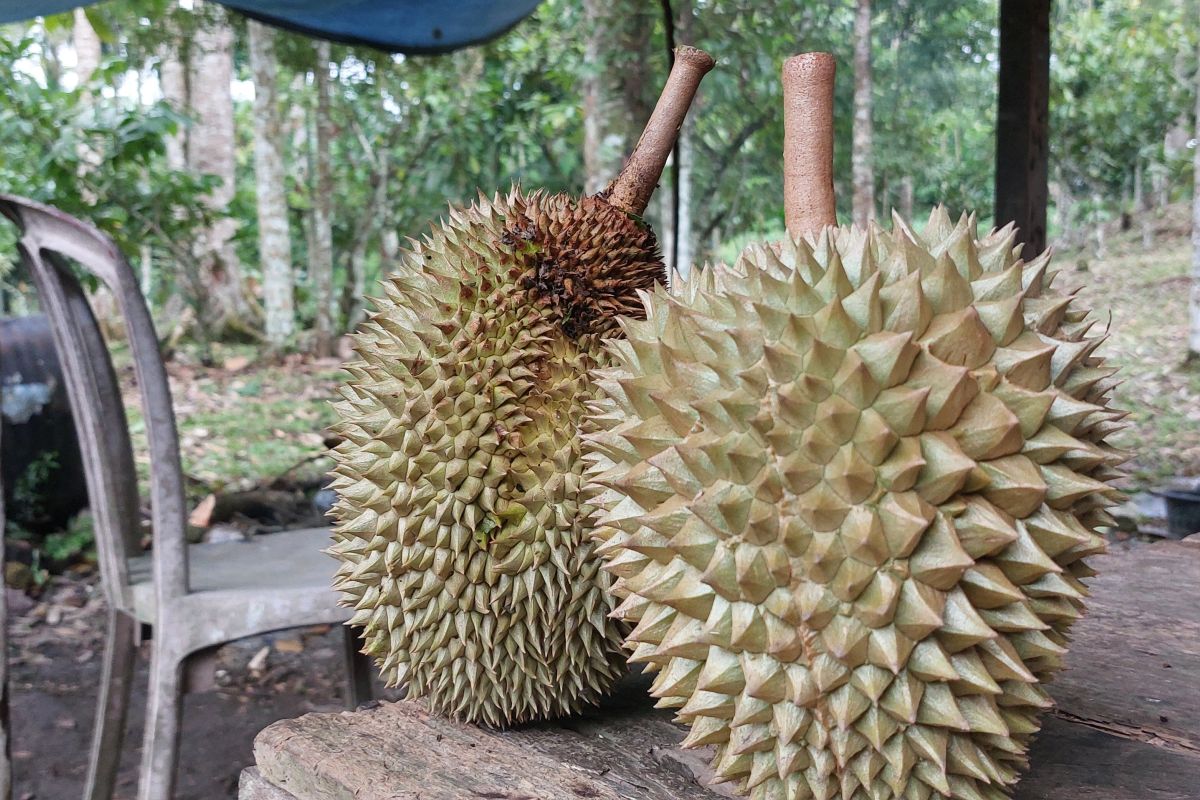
pixel 403 26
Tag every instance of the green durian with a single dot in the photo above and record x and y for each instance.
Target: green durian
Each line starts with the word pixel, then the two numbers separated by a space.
pixel 462 535
pixel 847 487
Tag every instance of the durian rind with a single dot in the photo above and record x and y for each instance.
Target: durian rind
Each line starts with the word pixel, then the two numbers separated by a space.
pixel 847 486
pixel 460 530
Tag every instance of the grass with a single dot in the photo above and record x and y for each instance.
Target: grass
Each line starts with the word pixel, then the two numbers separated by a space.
pixel 1146 294
pixel 242 423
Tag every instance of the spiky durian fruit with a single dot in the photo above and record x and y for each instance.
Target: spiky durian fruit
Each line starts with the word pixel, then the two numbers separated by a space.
pixel 848 486
pixel 461 528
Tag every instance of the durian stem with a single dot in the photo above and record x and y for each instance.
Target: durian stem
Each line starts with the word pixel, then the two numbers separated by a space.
pixel 808 199
pixel 632 189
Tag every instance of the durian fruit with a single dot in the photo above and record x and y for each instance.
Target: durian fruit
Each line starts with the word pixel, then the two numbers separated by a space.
pixel 460 528
pixel 848 486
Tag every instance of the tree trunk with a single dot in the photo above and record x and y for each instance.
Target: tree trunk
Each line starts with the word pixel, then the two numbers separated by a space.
pixel 354 288
pixel 211 151
pixel 1098 227
pixel 616 76
pixel 1194 311
pixel 320 258
pixel 146 268
pixel 87 47
pixel 862 166
pixel 1022 121
pixel 666 228
pixel 1141 206
pixel 684 250
pixel 172 78
pixel 270 183
pixel 87 61
pixel 1064 213
pixel 1139 190
pixel 597 169
pixel 906 197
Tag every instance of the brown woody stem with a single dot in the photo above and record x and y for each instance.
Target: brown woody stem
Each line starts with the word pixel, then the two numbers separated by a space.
pixel 632 189
pixel 808 199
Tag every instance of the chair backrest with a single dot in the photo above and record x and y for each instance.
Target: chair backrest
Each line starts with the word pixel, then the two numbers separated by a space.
pixel 48 237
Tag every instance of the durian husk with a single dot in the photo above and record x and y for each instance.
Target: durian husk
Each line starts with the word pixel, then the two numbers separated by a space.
pixel 460 528
pixel 848 486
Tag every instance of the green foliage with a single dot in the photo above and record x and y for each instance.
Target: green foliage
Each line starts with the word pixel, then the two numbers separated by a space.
pixel 33 490
pixel 1123 73
pixel 91 155
pixel 413 134
pixel 76 542
pixel 32 494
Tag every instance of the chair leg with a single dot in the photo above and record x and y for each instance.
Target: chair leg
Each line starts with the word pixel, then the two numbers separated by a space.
pixel 111 706
pixel 359 670
pixel 160 745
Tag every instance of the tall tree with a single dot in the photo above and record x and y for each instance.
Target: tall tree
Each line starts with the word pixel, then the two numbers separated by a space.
pixel 597 101
pixel 172 78
pixel 862 158
pixel 211 146
pixel 87 60
pixel 615 85
pixel 683 249
pixel 1194 334
pixel 87 47
pixel 320 257
pixel 274 236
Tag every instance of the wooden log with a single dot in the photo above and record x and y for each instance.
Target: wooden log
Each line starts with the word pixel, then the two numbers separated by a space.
pixel 1133 669
pixel 1023 120
pixel 400 750
pixel 1127 726
pixel 1076 762
pixel 253 786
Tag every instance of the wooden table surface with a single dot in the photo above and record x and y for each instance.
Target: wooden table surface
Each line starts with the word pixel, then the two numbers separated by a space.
pixel 1127 725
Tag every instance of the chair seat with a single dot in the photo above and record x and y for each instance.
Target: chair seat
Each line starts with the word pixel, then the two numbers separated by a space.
pixel 288 561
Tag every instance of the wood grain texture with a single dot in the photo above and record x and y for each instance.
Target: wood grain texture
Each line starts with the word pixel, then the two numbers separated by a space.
pixel 1133 669
pixel 1127 726
pixel 253 786
pixel 1074 762
pixel 400 750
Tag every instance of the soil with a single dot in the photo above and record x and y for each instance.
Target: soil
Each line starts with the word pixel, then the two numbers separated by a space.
pixel 55 654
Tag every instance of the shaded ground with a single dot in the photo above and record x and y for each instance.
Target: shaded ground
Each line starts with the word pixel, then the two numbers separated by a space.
pixel 242 426
pixel 54 656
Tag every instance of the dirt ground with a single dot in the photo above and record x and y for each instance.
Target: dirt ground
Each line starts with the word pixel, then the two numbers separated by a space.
pixel 56 646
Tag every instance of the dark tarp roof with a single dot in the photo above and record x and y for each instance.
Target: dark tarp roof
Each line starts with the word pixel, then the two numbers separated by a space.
pixel 405 26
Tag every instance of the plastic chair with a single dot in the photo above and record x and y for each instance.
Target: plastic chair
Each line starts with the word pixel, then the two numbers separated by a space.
pixel 195 597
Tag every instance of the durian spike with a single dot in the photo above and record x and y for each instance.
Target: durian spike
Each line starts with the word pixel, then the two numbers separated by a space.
pixel 633 187
pixel 808 143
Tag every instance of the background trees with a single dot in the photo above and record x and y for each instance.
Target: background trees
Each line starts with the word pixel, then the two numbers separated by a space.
pixel 263 181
